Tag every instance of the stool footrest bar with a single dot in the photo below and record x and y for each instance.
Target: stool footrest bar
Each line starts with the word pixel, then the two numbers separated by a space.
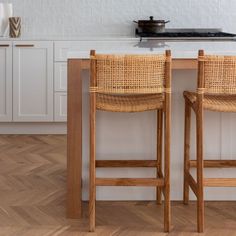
pixel 129 182
pixel 215 163
pixel 220 182
pixel 126 163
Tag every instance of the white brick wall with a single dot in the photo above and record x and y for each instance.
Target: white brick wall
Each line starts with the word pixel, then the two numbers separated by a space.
pixel 114 17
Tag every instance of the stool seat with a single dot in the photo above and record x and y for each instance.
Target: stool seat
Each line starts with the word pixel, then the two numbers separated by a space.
pixel 213 102
pixel 126 103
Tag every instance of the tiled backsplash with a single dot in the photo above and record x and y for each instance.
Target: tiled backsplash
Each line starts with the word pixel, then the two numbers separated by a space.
pixel 114 17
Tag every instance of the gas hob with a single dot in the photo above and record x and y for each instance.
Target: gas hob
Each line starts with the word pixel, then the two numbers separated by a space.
pixel 188 34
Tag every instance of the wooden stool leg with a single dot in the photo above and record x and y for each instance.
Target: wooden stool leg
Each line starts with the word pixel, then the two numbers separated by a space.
pixel 187 128
pixel 200 166
pixel 159 153
pixel 167 218
pixel 92 187
pixel 167 113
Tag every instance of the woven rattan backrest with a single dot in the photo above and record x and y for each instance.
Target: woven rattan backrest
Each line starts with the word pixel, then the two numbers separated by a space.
pixel 218 74
pixel 129 74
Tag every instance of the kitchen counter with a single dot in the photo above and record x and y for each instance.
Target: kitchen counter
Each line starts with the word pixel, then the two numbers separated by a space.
pixel 180 49
pixel 184 55
pixel 69 38
pixel 132 45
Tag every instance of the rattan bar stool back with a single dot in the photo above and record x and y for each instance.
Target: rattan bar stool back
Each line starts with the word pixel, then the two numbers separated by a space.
pixel 216 92
pixel 132 83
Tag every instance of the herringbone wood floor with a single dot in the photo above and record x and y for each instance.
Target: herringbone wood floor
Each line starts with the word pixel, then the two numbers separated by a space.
pixel 32 199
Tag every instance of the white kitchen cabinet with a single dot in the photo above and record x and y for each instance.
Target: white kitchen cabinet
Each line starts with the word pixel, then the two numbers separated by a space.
pixel 61 49
pixel 60 92
pixel 5 81
pixel 33 81
pixel 60 76
pixel 60 107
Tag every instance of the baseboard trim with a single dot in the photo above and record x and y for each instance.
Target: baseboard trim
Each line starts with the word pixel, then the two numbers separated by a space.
pixel 33 128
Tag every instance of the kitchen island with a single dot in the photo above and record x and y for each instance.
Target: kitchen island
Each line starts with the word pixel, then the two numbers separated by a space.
pixel 184 59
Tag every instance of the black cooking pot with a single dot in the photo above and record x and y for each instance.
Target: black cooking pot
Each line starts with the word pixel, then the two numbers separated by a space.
pixel 151 26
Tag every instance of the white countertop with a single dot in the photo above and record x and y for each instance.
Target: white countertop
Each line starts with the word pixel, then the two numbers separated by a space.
pixel 132 45
pixel 180 49
pixel 67 38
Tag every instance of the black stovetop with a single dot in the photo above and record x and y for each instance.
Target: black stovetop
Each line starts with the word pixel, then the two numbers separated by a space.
pixel 188 33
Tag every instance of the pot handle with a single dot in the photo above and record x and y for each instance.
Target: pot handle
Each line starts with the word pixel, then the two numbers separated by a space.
pixel 167 21
pixel 135 21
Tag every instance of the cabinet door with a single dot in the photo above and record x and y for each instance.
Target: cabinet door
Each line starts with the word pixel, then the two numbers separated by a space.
pixel 33 81
pixel 60 107
pixel 5 81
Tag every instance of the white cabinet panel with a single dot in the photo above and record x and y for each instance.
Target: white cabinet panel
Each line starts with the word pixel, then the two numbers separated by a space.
pixel 5 81
pixel 60 107
pixel 63 47
pixel 33 81
pixel 60 76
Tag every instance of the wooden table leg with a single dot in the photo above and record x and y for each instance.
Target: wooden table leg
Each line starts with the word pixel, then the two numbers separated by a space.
pixel 74 140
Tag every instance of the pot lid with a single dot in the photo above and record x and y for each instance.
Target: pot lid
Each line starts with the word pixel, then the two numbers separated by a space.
pixel 151 20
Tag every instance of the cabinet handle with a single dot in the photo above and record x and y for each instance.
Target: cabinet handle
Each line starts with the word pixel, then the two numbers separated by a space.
pixel 4 45
pixel 24 45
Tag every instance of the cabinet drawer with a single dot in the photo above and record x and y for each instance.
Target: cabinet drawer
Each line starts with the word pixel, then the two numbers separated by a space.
pixel 63 47
pixel 60 107
pixel 60 76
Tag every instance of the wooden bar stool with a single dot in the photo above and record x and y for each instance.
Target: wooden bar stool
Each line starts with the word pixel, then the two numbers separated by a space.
pixel 131 83
pixel 216 92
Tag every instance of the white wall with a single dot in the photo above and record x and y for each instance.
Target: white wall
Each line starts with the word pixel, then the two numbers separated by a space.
pixel 133 135
pixel 114 17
